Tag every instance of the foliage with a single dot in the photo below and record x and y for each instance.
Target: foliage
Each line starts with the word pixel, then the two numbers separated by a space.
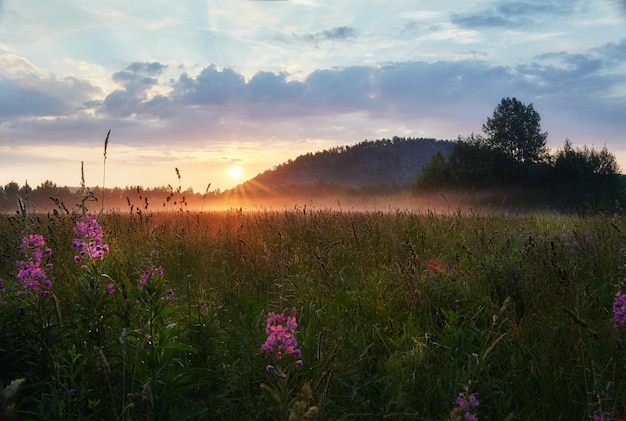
pixel 572 179
pixel 586 175
pixel 389 162
pixel 515 130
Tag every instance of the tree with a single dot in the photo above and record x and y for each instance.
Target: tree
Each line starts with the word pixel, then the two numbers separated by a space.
pixel 12 190
pixel 585 176
pixel 515 130
pixel 435 172
pixel 474 163
pixel 576 164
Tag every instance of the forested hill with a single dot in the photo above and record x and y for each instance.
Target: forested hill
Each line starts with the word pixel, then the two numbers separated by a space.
pixel 397 161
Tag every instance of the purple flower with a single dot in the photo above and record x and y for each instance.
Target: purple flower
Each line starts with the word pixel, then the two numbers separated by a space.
pixel 473 401
pixel 619 310
pixel 466 405
pixel 272 369
pixel 600 416
pixel 71 393
pixel 31 275
pixel 89 244
pixel 111 288
pixel 281 331
pixel 148 274
pixel 470 417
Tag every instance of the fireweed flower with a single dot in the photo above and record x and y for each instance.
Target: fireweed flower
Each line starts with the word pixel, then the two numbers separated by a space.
pixel 281 331
pixel 152 285
pixel 89 243
pixel 146 278
pixel 619 310
pixel 465 405
pixel 31 276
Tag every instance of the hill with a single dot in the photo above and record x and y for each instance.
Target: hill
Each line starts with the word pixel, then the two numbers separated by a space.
pixel 392 162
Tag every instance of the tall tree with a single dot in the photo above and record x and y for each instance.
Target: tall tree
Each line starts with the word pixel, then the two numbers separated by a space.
pixel 515 130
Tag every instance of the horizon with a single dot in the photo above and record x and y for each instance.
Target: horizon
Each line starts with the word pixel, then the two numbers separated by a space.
pixel 226 90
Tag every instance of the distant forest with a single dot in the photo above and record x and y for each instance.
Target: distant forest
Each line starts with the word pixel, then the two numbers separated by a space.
pixel 394 162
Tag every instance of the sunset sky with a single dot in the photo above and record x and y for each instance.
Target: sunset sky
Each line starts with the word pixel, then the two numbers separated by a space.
pixel 208 85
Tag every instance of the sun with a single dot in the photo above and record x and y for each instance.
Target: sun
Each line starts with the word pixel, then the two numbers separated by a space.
pixel 235 172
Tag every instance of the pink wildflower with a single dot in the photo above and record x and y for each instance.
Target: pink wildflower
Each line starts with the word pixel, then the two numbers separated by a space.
pixel 89 244
pixel 31 275
pixel 281 339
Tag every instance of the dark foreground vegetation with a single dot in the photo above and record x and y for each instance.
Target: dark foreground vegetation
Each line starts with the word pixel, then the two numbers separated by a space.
pixel 399 315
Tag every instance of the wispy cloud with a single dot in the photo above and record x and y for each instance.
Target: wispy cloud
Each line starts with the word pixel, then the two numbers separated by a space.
pixel 515 14
pixel 334 34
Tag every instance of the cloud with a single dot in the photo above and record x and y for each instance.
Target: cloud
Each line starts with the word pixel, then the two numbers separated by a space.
pixel 339 103
pixel 26 91
pixel 20 101
pixel 271 87
pixel 334 34
pixel 211 86
pixel 135 97
pixel 613 53
pixel 515 14
pixel 146 68
pixel 393 91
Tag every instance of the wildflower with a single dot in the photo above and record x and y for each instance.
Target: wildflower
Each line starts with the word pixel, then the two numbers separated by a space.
pixel 465 405
pixel 281 339
pixel 111 288
pixel 30 273
pixel 71 393
pixel 619 310
pixel 147 275
pixel 606 416
pixel 89 244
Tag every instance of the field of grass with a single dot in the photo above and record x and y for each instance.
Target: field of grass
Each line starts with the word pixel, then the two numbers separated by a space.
pixel 400 315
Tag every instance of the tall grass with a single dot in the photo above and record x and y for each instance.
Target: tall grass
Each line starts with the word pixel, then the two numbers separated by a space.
pixel 398 314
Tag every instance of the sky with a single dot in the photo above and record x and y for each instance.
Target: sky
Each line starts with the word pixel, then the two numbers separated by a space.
pixel 223 90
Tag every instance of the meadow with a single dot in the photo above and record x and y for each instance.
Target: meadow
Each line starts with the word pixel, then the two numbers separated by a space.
pixel 312 314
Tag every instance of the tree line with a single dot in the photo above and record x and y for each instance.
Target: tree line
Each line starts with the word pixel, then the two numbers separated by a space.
pixel 512 153
pixel 48 195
